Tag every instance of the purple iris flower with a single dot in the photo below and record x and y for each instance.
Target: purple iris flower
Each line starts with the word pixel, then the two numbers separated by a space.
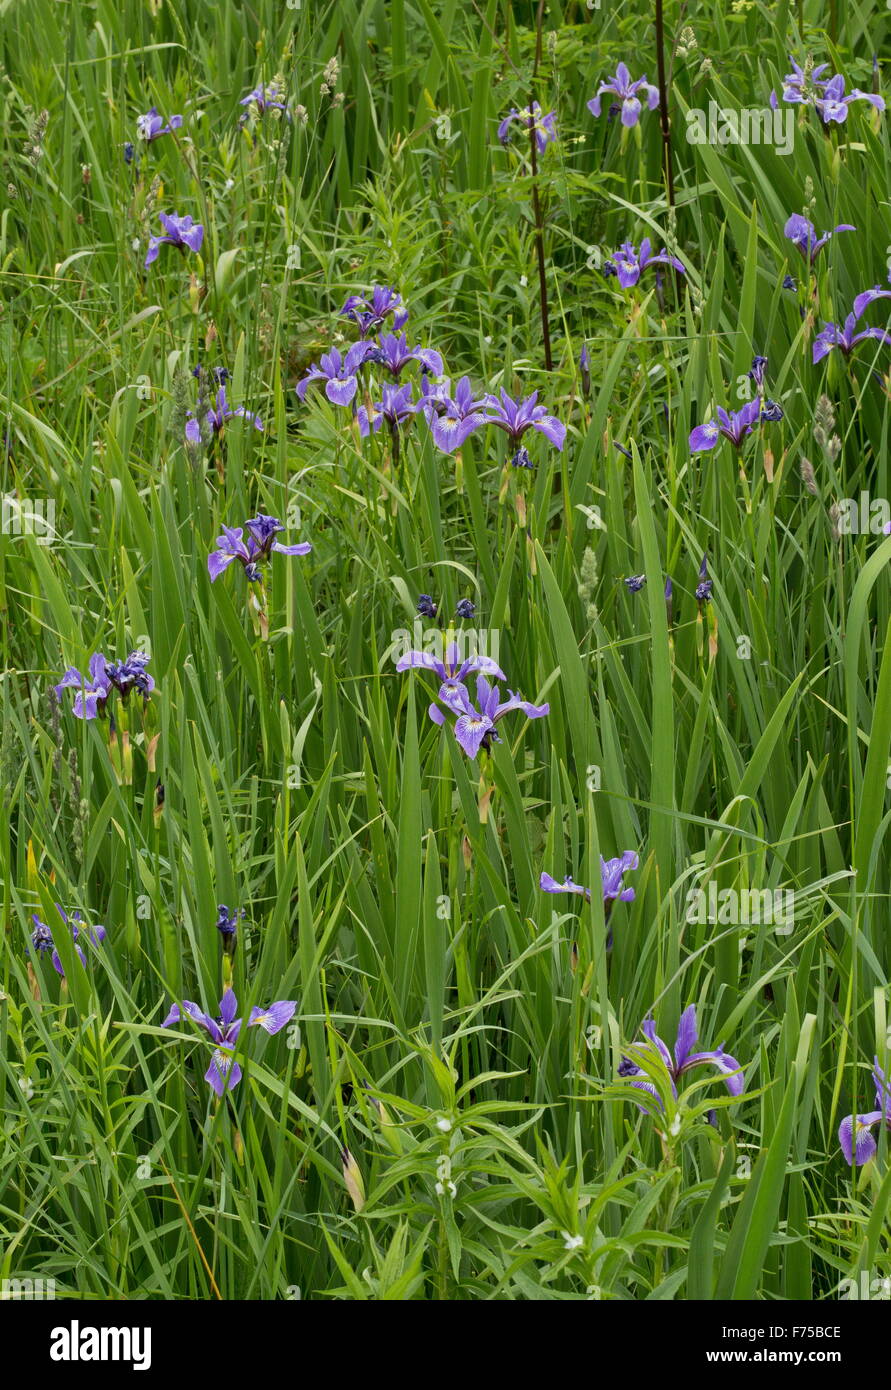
pixel 611 873
pixel 395 406
pixel 179 231
pixel 262 531
pixel 426 607
pixel 93 691
pixel 451 420
pixel 130 675
pixel 220 374
pixel 217 416
pixel 801 233
pixel 227 926
pixel 516 417
pixel 530 118
pixel 855 1131
pixel 628 265
pixel 797 84
pixel 475 728
pixel 369 314
pixel 452 671
pixel 845 339
pixel 683 1058
pixel 704 587
pixel 42 937
pixel 635 583
pixel 733 425
pixel 227 922
pixel 224 1073
pixel 151 125
pixel 265 98
pixel 622 87
pixel 338 373
pixel 466 609
pixel 758 369
pixel 833 104
pixel 393 352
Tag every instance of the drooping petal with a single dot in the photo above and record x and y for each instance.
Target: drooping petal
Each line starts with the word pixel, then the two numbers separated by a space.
pixel 550 885
pixel 877 333
pixel 727 1065
pixel 194 1012
pixel 301 548
pixel 484 664
pixel 86 705
pixel 630 111
pixel 426 660
pixel 217 562
pixel 224 1073
pixel 517 702
pixel 341 392
pixel 704 437
pixel 470 730
pixel 552 429
pixel 867 297
pixel 273 1018
pixel 856 1138
pixel 72 677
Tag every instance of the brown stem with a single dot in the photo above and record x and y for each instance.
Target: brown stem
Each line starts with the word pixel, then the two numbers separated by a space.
pixel 663 105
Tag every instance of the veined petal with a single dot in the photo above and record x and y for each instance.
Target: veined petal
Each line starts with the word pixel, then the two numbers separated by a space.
pixel 704 437
pixel 630 111
pixel 856 1137
pixel 687 1035
pixel 727 1065
pixel 470 730
pixel 341 392
pixel 301 548
pixel 484 664
pixel 425 660
pixel 867 297
pixel 217 562
pixel 273 1018
pixel 552 429
pixel 224 1073
pixel 228 1006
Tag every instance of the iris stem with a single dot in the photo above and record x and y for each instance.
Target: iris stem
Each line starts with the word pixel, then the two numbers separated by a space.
pixel 663 105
